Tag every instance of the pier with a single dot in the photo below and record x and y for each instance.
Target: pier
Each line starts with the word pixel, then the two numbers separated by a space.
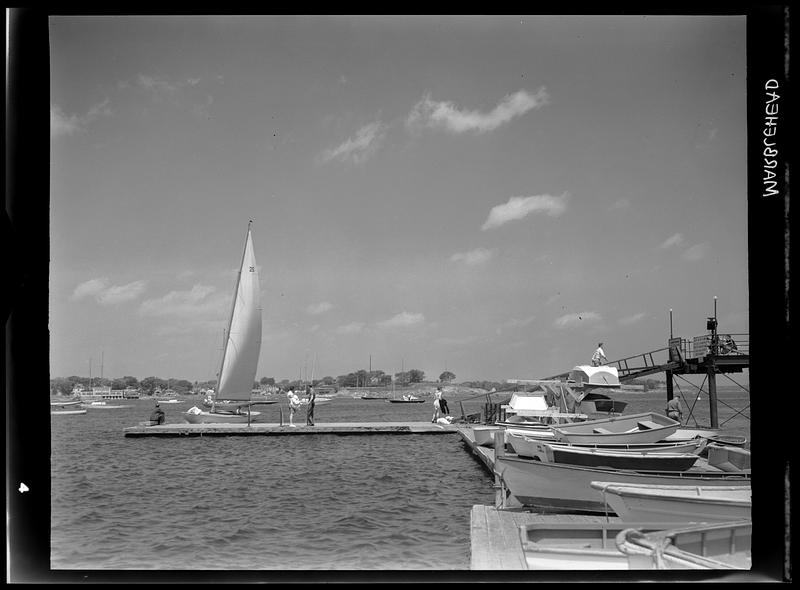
pixel 258 429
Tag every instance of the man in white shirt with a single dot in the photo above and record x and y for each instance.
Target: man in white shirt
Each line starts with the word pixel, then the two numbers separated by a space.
pixel 599 357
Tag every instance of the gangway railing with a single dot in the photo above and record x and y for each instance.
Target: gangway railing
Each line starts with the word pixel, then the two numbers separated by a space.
pixel 674 357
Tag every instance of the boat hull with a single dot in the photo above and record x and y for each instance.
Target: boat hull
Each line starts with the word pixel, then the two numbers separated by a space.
pixel 219 418
pixel 637 428
pixel 651 460
pixel 677 503
pixel 67 412
pixel 567 488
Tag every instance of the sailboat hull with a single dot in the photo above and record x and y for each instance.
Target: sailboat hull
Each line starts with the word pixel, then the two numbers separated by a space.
pixel 220 418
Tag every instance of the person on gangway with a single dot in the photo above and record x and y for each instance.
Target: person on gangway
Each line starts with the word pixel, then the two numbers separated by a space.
pixel 599 357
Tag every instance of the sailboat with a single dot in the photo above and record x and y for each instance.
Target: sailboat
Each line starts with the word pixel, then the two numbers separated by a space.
pixel 240 352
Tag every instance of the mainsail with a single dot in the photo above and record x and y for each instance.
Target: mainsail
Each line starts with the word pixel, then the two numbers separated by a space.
pixel 243 342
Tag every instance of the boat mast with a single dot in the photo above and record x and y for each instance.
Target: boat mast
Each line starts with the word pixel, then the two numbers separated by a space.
pixel 230 318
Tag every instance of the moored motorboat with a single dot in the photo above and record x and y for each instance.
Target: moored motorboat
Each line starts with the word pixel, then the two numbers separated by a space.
pixel 686 503
pixel 716 546
pixel 567 488
pixel 641 428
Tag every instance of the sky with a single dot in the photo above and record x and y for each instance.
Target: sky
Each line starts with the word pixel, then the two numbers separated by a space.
pixel 490 196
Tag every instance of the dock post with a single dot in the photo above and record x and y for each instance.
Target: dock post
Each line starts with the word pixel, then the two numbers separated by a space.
pixel 712 393
pixel 280 408
pixel 499 484
pixel 670 393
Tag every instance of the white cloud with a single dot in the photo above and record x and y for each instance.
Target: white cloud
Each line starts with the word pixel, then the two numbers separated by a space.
pixel 197 301
pixel 696 252
pixel 351 328
pixel 445 114
pixel 120 294
pixel 359 148
pixel 674 240
pixel 403 319
pixel 157 86
pixel 319 308
pixel 89 288
pixel 632 319
pixel 572 320
pixel 518 323
pixel 108 295
pixel 622 203
pixel 519 207
pixel 473 257
pixel 63 124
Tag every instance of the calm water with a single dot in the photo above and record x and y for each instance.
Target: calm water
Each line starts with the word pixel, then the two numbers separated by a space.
pixel 322 502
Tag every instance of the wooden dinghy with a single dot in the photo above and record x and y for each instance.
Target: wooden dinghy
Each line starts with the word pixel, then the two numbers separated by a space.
pixel 566 546
pixel 728 458
pixel 638 459
pixel 636 428
pixel 524 449
pixel 717 546
pixel 484 435
pixel 706 503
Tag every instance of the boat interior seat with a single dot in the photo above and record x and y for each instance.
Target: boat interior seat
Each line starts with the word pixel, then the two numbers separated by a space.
pixel 601 431
pixel 647 425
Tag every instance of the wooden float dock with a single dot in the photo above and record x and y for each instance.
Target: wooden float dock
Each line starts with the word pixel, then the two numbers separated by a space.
pixel 495 542
pixel 265 429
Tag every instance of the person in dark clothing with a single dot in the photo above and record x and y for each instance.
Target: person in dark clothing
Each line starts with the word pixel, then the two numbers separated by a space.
pixel 312 398
pixel 158 416
pixel 443 404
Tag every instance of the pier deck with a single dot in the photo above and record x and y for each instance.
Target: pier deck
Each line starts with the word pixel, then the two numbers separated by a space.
pixel 263 429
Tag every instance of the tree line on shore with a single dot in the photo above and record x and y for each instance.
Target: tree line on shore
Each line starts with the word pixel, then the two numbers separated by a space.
pixel 149 385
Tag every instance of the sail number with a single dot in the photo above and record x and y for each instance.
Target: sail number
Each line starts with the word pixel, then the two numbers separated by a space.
pixel 252 269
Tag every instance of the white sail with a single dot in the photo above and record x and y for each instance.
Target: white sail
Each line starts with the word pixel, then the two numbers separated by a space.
pixel 243 342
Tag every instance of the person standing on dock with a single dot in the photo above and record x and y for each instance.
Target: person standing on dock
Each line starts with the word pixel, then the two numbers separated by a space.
pixel 674 410
pixel 437 404
pixel 443 402
pixel 599 357
pixel 294 405
pixel 312 398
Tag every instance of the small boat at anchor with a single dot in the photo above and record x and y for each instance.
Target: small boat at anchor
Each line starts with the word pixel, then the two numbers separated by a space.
pixel 704 503
pixel 73 408
pixel 407 399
